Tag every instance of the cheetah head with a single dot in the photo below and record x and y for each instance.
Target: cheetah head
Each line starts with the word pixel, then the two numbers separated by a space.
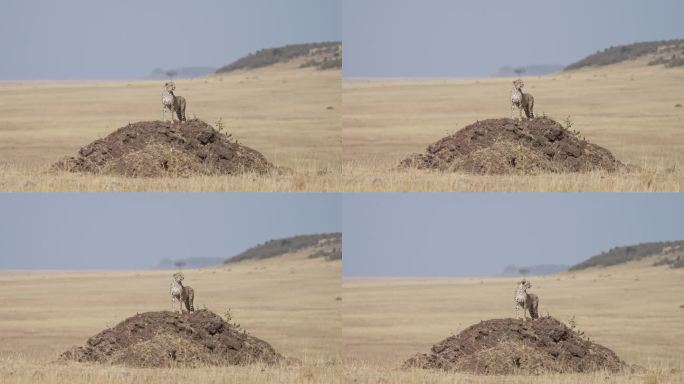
pixel 170 86
pixel 518 84
pixel 525 284
pixel 178 277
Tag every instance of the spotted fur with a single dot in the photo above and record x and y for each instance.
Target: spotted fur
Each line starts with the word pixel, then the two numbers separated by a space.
pixel 521 101
pixel 172 103
pixel 182 294
pixel 526 301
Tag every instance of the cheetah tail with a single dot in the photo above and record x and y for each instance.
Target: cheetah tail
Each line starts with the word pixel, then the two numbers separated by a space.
pixel 534 312
pixel 190 299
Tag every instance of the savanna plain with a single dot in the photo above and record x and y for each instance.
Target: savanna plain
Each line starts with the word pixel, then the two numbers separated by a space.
pixel 632 109
pixel 635 310
pixel 292 302
pixel 289 114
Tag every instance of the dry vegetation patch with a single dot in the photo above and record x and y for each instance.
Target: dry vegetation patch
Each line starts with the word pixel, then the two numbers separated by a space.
pixel 169 339
pixel 511 346
pixel 508 146
pixel 158 148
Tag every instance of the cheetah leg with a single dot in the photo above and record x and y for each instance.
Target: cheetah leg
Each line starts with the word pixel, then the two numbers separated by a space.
pixel 163 113
pixel 512 111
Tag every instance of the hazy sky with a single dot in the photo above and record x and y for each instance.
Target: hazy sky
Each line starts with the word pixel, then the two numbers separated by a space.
pixel 137 230
pixel 471 234
pixel 395 38
pixel 104 39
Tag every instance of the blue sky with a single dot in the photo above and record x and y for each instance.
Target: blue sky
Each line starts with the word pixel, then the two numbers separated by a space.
pixel 104 39
pixel 405 38
pixel 478 234
pixel 137 230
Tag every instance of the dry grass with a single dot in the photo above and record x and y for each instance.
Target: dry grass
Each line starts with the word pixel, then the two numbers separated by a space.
pixel 309 176
pixel 18 370
pixel 290 115
pixel 358 176
pixel 633 310
pixel 368 374
pixel 628 109
pixel 290 302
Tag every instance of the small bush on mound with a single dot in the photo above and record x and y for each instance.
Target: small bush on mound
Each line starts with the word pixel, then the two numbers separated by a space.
pixel 510 346
pixel 169 339
pixel 508 146
pixel 159 148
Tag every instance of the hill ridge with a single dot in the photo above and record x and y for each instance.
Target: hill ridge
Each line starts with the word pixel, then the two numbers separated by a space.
pixel 672 250
pixel 329 247
pixel 322 56
pixel 669 53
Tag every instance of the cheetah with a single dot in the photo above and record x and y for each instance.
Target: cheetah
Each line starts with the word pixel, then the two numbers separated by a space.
pixel 172 103
pixel 526 301
pixel 521 101
pixel 184 294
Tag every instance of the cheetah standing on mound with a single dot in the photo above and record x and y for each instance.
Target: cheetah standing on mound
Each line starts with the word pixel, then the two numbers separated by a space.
pixel 526 301
pixel 521 101
pixel 184 295
pixel 172 103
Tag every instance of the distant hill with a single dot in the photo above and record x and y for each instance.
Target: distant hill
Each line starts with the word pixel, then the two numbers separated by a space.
pixel 534 270
pixel 669 53
pixel 529 70
pixel 670 253
pixel 180 73
pixel 324 245
pixel 326 55
pixel 192 262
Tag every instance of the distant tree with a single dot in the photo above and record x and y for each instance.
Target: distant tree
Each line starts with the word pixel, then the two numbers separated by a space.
pixel 524 271
pixel 180 263
pixel 519 70
pixel 171 73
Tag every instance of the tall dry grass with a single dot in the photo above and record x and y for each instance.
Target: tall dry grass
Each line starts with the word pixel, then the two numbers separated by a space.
pixel 306 176
pixel 20 370
pixel 364 373
pixel 384 175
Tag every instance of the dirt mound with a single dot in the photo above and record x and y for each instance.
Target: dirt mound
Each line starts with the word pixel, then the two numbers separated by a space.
pixel 169 339
pixel 508 146
pixel 510 346
pixel 159 148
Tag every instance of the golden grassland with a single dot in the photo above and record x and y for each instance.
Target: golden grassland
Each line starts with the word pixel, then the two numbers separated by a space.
pixel 627 108
pixel 291 115
pixel 290 302
pixel 634 310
